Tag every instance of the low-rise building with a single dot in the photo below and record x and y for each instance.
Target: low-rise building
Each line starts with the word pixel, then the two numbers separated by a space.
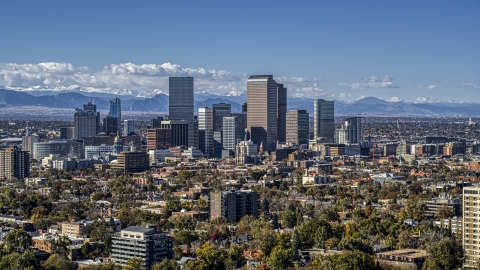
pixel 406 258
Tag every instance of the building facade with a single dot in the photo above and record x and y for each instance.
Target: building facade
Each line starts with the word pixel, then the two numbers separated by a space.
pixel 86 121
pixel 28 141
pixel 205 131
pixel 181 103
pixel 233 204
pixel 159 138
pixel 128 127
pixel 471 234
pixel 131 162
pixel 220 110
pixel 323 120
pixel 58 147
pixel 14 163
pixel 262 113
pixel 145 243
pixel 116 112
pixel 281 113
pixel 297 127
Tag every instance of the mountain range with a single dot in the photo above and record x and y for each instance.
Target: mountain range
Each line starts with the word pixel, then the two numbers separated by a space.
pixel 159 103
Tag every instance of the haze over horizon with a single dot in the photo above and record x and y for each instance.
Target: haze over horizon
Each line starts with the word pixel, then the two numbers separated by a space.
pixel 344 51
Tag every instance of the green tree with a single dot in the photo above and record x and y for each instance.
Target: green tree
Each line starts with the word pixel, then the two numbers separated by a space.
pixel 135 263
pixel 289 218
pixel 444 255
pixel 266 240
pixel 352 260
pixel 208 257
pixel 56 262
pixel 295 243
pixel 86 249
pixel 59 245
pixel 17 240
pixel 279 258
pixel 183 223
pixel 167 265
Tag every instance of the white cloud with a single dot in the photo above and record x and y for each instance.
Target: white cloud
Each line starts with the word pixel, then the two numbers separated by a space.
pixel 372 83
pixel 301 87
pixel 470 85
pixel 342 95
pixel 432 86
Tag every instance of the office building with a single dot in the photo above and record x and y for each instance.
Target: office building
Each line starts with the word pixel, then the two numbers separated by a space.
pixel 128 127
pixel 443 200
pixel 323 120
pixel 66 133
pixel 244 107
pixel 141 242
pixel 86 121
pixel 181 103
pixel 245 152
pixel 28 141
pixel 205 131
pixel 131 162
pixel 350 132
pixel 220 110
pixel 233 204
pixel 58 147
pixel 297 127
pixel 110 125
pixel 14 163
pixel 116 112
pixel 101 150
pixel 217 144
pixel 341 136
pixel 262 113
pixel 159 138
pixel 281 113
pixel 233 131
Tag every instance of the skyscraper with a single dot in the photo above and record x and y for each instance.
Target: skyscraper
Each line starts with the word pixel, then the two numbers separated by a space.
pixel 181 102
pixel 116 112
pixel 86 121
pixel 351 131
pixel 262 110
pixel 28 141
pixel 281 113
pixel 297 126
pixel 323 120
pixel 205 131
pixel 14 163
pixel 128 127
pixel 220 110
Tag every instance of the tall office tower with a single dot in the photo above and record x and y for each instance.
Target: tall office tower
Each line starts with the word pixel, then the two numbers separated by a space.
pixel 470 241
pixel 14 164
pixel 28 141
pixel 242 124
pixel 128 127
pixel 353 126
pixel 146 243
pixel 262 110
pixel 66 133
pixel 244 107
pixel 217 144
pixel 159 138
pixel 220 110
pixel 181 103
pixel 341 136
pixel 110 125
pixel 86 121
pixel 281 113
pixel 233 204
pixel 323 120
pixel 116 111
pixel 205 131
pixel 231 132
pixel 297 127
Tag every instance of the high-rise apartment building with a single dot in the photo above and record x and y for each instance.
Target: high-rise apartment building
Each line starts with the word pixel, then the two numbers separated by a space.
pixel 181 103
pixel 14 163
pixel 128 127
pixel 28 141
pixel 281 113
pixel 351 131
pixel 141 242
pixel 205 131
pixel 220 110
pixel 323 120
pixel 262 110
pixel 233 204
pixel 116 112
pixel 86 121
pixel 470 230
pixel 297 127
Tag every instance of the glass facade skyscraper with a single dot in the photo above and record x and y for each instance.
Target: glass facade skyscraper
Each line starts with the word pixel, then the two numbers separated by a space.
pixel 181 103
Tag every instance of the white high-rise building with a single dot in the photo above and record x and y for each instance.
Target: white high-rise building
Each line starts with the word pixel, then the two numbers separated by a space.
pixel 128 127
pixel 205 131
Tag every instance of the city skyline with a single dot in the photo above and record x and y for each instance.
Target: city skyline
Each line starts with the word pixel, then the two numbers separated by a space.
pixel 340 51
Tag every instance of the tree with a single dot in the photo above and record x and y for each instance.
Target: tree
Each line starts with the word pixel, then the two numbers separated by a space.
pixel 266 240
pixel 352 260
pixel 56 262
pixel 86 249
pixel 59 245
pixel 183 223
pixel 135 263
pixel 289 218
pixel 295 243
pixel 17 240
pixel 445 254
pixel 208 257
pixel 167 264
pixel 279 258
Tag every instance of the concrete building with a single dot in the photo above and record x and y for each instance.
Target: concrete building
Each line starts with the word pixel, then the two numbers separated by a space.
pixel 443 200
pixel 131 162
pixel 323 120
pixel 404 258
pixel 159 138
pixel 470 241
pixel 86 121
pixel 205 131
pixel 297 127
pixel 233 204
pixel 262 113
pixel 181 104
pixel 315 179
pixel 71 228
pixel 66 133
pixel 28 141
pixel 232 132
pixel 141 242
pixel 128 127
pixel 14 163
pixel 101 150
pixel 245 152
pixel 281 113
pixel 110 125
pixel 179 130
pixel 58 147
pixel 351 131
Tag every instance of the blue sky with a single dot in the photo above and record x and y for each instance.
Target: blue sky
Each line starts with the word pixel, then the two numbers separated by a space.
pixel 332 49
